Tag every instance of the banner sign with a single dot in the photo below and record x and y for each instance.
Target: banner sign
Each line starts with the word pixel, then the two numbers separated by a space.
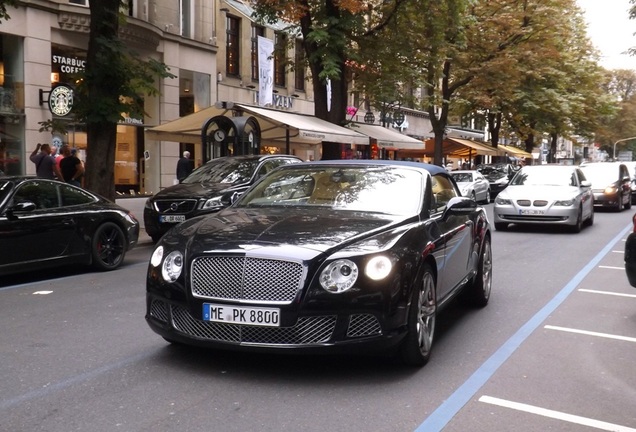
pixel 265 71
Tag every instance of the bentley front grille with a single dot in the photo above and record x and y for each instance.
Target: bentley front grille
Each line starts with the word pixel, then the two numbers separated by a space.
pixel 243 278
pixel 158 310
pixel 306 331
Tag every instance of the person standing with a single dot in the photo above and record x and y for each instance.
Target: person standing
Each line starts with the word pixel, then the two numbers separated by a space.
pixel 45 166
pixel 184 166
pixel 72 168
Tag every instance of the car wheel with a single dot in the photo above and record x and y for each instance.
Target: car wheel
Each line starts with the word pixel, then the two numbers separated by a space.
pixel 629 202
pixel 478 292
pixel 416 348
pixel 576 228
pixel 109 246
pixel 501 226
pixel 619 204
pixel 487 198
pixel 473 196
pixel 590 220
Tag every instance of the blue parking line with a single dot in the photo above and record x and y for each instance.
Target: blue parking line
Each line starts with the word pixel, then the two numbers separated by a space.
pixel 451 406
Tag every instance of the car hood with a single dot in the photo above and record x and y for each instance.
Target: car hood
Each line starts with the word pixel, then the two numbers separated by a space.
pixel 197 190
pixel 540 192
pixel 314 231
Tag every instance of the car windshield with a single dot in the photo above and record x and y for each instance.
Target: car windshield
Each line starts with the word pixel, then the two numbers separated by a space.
pixel 601 174
pixel 462 177
pixel 225 170
pixel 493 172
pixel 390 190
pixel 544 176
pixel 5 190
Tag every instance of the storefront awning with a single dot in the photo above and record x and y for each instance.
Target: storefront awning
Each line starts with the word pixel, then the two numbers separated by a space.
pixel 275 126
pixel 514 151
pixel 386 138
pixel 457 147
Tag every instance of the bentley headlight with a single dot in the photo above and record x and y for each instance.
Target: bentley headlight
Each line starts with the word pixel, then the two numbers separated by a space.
pixel 172 266
pixel 378 268
pixel 339 276
pixel 212 203
pixel 156 257
pixel 565 203
pixel 502 201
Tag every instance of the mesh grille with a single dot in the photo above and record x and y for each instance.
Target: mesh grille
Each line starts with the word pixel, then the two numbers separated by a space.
pixel 523 203
pixel 363 325
pixel 180 206
pixel 158 310
pixel 540 203
pixel 243 278
pixel 308 330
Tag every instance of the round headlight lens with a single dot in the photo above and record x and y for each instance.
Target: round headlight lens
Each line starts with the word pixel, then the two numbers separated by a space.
pixel 172 266
pixel 156 257
pixel 378 268
pixel 339 276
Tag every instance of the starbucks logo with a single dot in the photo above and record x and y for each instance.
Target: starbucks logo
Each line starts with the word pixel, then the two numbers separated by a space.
pixel 61 100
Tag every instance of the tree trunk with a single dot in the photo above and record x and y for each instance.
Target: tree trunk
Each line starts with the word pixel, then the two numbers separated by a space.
pixel 103 81
pixel 494 126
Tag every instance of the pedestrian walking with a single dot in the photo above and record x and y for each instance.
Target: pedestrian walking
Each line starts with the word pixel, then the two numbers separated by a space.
pixel 185 165
pixel 72 168
pixel 45 166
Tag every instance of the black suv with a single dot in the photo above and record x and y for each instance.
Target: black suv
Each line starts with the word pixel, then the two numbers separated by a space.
pixel 207 190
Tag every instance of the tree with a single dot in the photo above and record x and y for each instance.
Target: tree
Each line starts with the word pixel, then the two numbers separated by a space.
pixel 113 84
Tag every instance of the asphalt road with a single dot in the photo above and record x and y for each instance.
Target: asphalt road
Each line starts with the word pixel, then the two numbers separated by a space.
pixel 554 350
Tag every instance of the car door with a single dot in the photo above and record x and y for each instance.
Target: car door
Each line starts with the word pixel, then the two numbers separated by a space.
pixel 38 234
pixel 455 231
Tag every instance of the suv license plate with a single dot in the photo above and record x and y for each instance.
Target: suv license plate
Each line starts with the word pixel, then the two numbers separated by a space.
pixel 172 218
pixel 269 317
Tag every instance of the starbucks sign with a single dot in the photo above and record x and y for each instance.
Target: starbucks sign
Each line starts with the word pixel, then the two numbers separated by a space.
pixel 61 100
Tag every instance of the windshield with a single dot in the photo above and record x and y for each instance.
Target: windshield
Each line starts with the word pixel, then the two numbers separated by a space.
pixel 462 177
pixel 494 172
pixel 601 174
pixel 227 171
pixel 389 190
pixel 544 176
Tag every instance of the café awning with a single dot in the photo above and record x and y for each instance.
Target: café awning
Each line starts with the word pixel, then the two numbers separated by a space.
pixel 458 147
pixel 275 126
pixel 514 151
pixel 386 138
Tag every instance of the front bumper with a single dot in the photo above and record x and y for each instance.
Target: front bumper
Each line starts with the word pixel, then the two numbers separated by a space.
pixel 513 214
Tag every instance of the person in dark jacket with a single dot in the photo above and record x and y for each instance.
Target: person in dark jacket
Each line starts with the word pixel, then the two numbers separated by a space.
pixel 71 167
pixel 184 166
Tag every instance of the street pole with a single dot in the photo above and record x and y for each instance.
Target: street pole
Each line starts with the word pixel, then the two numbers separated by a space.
pixel 620 140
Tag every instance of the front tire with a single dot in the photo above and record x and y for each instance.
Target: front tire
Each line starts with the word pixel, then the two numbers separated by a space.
pixel 478 292
pixel 416 347
pixel 576 228
pixel 108 246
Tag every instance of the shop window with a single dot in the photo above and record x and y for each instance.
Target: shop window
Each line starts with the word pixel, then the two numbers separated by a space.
pixel 232 46
pixel 280 51
pixel 256 32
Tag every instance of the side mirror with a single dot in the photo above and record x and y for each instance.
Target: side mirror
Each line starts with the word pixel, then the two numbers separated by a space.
pixel 25 206
pixel 463 205
pixel 586 183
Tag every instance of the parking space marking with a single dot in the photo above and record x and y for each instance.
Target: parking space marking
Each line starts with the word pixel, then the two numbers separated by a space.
pixel 591 333
pixel 570 418
pixel 608 293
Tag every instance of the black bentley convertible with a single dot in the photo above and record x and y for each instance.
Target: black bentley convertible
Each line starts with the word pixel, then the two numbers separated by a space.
pixel 326 257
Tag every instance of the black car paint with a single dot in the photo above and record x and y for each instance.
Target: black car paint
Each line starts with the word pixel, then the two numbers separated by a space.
pixel 449 241
pixel 200 192
pixel 57 236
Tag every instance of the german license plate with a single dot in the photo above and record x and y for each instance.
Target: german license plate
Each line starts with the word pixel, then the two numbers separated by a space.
pixel 257 316
pixel 531 212
pixel 172 218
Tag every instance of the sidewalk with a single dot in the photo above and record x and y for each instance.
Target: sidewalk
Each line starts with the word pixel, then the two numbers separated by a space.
pixel 136 206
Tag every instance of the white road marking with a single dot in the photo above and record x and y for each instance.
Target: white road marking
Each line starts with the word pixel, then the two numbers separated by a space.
pixel 556 415
pixel 590 333
pixel 608 293
pixel 42 292
pixel 611 267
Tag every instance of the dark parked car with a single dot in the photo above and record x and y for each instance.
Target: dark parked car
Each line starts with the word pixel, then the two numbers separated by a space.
pixel 324 257
pixel 630 254
pixel 46 223
pixel 498 175
pixel 611 184
pixel 207 189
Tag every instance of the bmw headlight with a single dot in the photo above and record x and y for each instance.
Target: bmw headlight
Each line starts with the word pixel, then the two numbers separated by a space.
pixel 502 201
pixel 339 276
pixel 565 203
pixel 213 203
pixel 171 266
pixel 378 268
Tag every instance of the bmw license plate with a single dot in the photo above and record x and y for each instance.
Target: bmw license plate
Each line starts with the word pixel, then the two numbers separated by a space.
pixel 269 317
pixel 531 212
pixel 172 218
